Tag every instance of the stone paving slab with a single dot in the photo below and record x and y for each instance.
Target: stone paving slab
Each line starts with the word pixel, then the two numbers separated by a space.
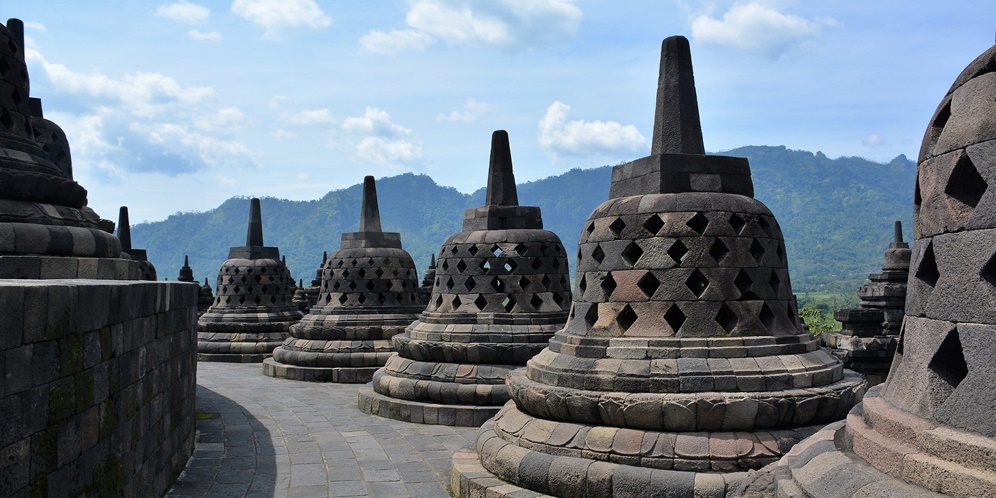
pixel 261 436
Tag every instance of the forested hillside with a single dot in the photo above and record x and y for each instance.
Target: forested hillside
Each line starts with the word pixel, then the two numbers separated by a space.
pixel 836 216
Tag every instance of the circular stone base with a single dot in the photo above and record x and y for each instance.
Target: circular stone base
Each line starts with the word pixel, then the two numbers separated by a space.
pixel 423 413
pixel 572 476
pixel 232 358
pixel 343 375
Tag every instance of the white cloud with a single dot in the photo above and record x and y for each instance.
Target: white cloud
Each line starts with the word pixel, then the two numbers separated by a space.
pixel 212 36
pixel 144 122
pixel 183 11
pixel 311 117
pixel 36 26
pixel 584 138
pixel 873 140
pixel 471 111
pixel 396 41
pixel 753 27
pixel 510 24
pixel 384 141
pixel 277 16
pixel 284 134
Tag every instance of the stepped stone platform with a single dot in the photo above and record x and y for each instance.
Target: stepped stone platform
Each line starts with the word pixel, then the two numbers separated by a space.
pixel 930 427
pixel 500 291
pixel 683 364
pixel 253 309
pixel 369 293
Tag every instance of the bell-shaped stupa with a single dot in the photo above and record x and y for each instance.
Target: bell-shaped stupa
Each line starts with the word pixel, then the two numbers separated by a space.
pixel 46 230
pixel 930 427
pixel 186 273
pixel 205 298
pixel 369 293
pixel 252 311
pixel 683 363
pixel 146 268
pixel 501 290
pixel 429 279
pixel 869 333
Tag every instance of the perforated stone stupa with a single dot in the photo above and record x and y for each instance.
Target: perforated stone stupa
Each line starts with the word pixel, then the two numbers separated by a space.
pixel 867 340
pixel 369 293
pixel 46 230
pixel 500 291
pixel 252 311
pixel 683 363
pixel 147 270
pixel 930 428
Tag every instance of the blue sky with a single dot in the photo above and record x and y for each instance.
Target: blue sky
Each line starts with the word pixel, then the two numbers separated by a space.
pixel 178 105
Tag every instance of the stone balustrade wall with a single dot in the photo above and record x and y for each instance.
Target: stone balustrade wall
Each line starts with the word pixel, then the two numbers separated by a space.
pixel 97 385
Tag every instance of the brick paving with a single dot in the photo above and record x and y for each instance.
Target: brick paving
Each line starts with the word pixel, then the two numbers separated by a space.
pixel 263 436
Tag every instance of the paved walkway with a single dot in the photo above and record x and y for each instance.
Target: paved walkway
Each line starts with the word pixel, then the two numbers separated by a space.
pixel 261 436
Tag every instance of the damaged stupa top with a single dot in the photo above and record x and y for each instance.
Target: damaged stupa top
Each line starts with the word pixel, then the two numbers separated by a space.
pixel 46 230
pixel 369 292
pixel 252 310
pixel 500 290
pixel 148 270
pixel 683 359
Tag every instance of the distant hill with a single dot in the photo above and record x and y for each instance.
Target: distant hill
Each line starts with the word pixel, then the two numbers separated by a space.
pixel 836 215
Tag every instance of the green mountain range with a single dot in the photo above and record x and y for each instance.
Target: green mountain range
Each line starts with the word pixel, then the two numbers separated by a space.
pixel 836 216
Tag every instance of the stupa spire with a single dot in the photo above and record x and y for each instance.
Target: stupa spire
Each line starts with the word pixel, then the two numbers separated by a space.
pixel 124 229
pixel 255 235
pixel 370 212
pixel 899 232
pixel 501 181
pixel 677 129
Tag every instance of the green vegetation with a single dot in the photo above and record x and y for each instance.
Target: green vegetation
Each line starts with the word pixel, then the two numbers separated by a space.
pixel 817 308
pixel 836 217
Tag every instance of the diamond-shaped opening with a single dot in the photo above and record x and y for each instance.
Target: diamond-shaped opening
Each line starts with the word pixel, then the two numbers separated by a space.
pixel 353 263
pixel 536 302
pixel 362 299
pixel 387 261
pixel 774 282
pixel 520 249
pixel 352 285
pixel 678 251
pixel 273 299
pixel 453 250
pixel 917 198
pixel 4 67
pixel 674 317
pixel 362 273
pixel 591 316
pixel 737 223
pixel 237 289
pixel 579 256
pixel 379 272
pixel 439 301
pixel 370 285
pixel 648 284
pixel 472 250
pixel 557 298
pixel 339 263
pixel 942 116
pixel 249 270
pixel 556 264
pixel 538 263
pixel 591 227
pixel 790 312
pixel 718 251
pixel 653 224
pixel 449 283
pixel 471 283
pixel 949 361
pixel 617 226
pixel 456 302
pixel 626 318
pixel 497 285
pixel 927 271
pixel 608 284
pixel 370 262
pixel 766 317
pixel 698 223
pixel 965 183
pixel 445 265
pixel 496 250
pixel 523 283
pixel 508 303
pixel 756 250
pixel 598 255
pixel 546 282
pixel 5 119
pixel 743 282
pixel 257 300
pixel 726 318
pixel 461 266
pixel 381 298
pixel 16 97
pixel 697 283
pixel 388 285
pixel 762 222
pixel 583 284
pixel 509 266
pixel 480 302
pixel 780 251
pixel 631 254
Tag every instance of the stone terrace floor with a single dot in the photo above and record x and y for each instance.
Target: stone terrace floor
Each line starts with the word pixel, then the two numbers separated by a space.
pixel 261 436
